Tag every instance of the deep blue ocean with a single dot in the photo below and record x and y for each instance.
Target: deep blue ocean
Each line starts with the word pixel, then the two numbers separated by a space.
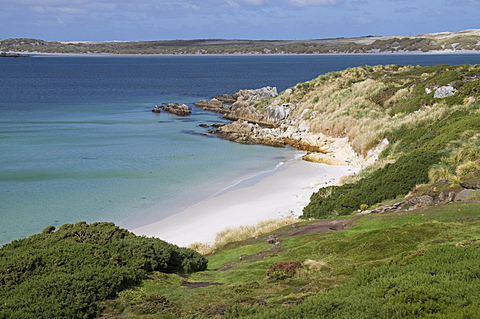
pixel 78 140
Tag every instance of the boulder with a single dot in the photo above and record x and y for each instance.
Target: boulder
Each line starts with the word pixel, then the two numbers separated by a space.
pixel 444 91
pixel 472 183
pixel 156 109
pixel 467 194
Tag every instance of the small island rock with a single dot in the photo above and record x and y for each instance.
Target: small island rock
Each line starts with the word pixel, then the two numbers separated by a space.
pixel 174 108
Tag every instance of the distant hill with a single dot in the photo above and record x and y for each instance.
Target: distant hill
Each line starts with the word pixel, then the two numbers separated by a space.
pixel 463 41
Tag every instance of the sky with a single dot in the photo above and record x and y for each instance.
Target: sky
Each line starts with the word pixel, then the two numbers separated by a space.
pixel 129 20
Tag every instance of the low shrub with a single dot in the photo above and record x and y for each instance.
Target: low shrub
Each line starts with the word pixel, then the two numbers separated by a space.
pixel 68 272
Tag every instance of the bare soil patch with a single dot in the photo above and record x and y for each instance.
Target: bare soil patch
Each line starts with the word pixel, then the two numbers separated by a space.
pixel 323 226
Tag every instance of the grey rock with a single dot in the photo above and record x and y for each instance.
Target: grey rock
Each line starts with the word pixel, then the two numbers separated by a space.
pixel 465 194
pixel 473 183
pixel 278 112
pixel 267 91
pixel 423 200
pixel 447 196
pixel 444 91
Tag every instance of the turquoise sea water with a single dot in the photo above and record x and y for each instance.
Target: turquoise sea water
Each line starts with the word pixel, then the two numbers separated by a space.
pixel 78 140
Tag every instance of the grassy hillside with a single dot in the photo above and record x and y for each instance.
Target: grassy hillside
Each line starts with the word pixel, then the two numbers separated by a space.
pixel 468 40
pixel 409 265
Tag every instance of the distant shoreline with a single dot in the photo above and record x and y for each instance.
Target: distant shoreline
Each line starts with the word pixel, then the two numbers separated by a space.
pixel 466 41
pixel 46 54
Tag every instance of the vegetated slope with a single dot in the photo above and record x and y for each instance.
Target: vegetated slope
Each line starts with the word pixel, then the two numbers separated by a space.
pixel 415 262
pixel 405 106
pixel 409 265
pixel 68 272
pixel 467 40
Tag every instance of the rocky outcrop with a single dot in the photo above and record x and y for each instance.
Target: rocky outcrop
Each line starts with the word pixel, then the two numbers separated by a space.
pixel 276 125
pixel 213 105
pixel 174 108
pixel 414 203
pixel 453 194
pixel 227 98
pixel 239 105
pixel 245 132
pixel 244 107
pixel 12 55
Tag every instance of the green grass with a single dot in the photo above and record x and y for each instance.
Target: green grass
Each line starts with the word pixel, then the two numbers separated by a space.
pixel 377 246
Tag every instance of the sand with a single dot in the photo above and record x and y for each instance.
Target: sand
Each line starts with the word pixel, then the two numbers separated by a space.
pixel 282 192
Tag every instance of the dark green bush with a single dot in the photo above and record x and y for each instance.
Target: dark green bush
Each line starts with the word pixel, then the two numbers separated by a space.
pixel 434 136
pixel 65 274
pixel 386 183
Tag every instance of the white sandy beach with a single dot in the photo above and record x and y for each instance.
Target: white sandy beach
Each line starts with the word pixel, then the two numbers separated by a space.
pixel 285 192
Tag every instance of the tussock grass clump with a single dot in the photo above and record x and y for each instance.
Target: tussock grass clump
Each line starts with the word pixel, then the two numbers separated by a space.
pixel 468 168
pixel 234 234
pixel 316 265
pixel 440 172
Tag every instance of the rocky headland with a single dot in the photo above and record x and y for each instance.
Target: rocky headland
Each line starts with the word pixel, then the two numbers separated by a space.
pixel 277 125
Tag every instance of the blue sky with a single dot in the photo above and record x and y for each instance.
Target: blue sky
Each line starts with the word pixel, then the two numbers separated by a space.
pixel 98 20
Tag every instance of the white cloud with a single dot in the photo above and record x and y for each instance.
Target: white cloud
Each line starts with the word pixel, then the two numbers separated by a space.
pixel 232 3
pixel 191 6
pixel 464 2
pixel 315 3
